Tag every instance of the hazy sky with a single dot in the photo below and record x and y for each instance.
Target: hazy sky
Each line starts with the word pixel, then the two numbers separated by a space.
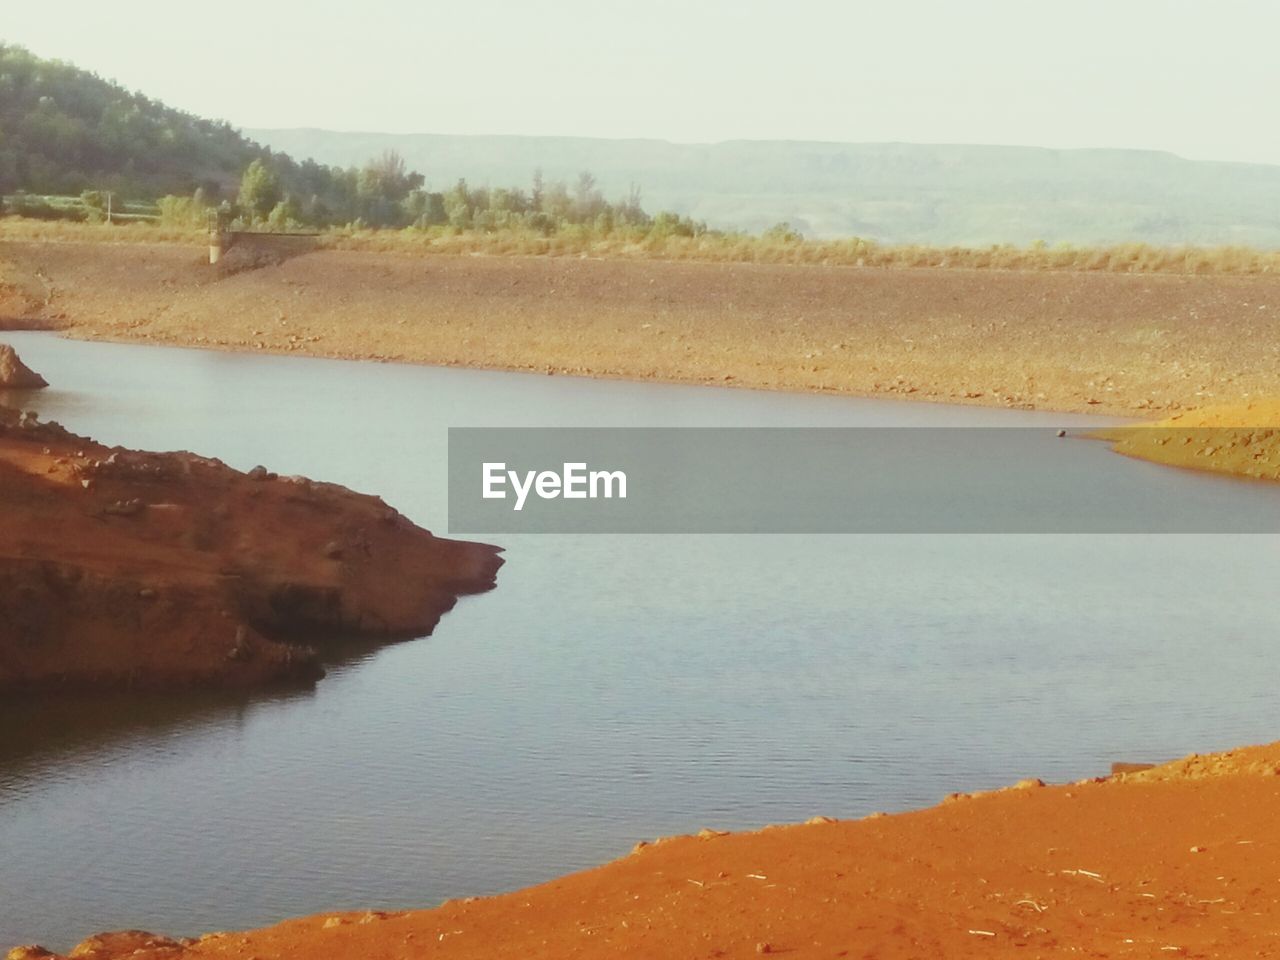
pixel 1197 78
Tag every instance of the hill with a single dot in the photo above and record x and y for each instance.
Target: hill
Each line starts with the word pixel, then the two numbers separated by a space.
pixel 898 193
pixel 64 130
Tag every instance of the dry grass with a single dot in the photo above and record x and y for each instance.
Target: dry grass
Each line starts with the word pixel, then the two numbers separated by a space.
pixel 712 247
pixel 69 231
pixel 741 248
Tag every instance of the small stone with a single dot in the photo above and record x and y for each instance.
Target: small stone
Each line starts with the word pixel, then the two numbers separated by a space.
pixel 1124 766
pixel 764 948
pixel 1062 433
pixel 146 593
pixel 257 473
pixel 812 821
pixel 122 943
pixel 1198 849
pixel 333 550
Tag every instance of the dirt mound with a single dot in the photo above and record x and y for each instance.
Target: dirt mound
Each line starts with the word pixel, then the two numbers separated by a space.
pixel 16 375
pixel 1239 439
pixel 1263 761
pixel 125 568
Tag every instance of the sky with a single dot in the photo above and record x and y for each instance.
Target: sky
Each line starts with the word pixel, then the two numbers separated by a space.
pixel 1195 77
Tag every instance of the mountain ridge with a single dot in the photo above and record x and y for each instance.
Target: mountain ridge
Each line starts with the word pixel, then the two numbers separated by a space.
pixel 893 192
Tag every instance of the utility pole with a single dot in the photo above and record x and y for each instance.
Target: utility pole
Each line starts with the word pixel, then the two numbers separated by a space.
pixel 108 206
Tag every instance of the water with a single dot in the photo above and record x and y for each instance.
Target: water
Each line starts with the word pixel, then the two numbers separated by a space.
pixel 611 688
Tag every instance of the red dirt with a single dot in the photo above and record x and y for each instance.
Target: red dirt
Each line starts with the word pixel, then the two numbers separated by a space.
pixel 120 568
pixel 1181 861
pixel 16 375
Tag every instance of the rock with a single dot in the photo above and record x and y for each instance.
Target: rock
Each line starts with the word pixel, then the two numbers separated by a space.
pixel 1062 433
pixel 121 943
pixel 258 473
pixel 16 375
pixel 31 951
pixel 1121 766
pixel 813 821
pixel 333 550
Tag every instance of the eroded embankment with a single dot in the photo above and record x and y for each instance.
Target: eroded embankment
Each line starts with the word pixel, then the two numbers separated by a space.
pixel 126 568
pixel 1175 861
pixel 1067 341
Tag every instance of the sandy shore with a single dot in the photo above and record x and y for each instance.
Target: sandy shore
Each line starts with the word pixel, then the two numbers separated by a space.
pixel 1109 342
pixel 1239 439
pixel 1175 861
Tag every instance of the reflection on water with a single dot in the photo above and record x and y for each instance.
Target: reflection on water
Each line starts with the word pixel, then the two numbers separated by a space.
pixel 611 688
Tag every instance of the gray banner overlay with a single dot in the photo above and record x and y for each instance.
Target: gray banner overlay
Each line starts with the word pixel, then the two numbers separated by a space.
pixel 831 480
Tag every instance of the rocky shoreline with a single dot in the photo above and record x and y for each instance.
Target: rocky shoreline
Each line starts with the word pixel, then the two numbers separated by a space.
pixel 127 569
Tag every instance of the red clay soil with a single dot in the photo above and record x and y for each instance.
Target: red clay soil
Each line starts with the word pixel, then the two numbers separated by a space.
pixel 1182 860
pixel 121 568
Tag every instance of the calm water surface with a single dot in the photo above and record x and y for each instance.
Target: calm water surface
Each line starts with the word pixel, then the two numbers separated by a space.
pixel 611 688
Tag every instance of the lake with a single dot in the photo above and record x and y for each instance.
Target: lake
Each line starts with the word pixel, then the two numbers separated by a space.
pixel 612 688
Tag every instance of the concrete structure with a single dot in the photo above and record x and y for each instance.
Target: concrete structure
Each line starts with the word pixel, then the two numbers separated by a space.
pixel 282 245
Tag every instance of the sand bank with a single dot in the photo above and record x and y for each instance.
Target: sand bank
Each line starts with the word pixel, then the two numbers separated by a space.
pixel 1239 439
pixel 1115 343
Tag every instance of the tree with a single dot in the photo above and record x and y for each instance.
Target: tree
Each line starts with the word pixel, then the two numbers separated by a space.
pixel 587 200
pixel 95 205
pixel 259 191
pixel 458 206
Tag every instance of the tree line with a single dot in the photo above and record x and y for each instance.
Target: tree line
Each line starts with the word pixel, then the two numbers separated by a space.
pixel 385 194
